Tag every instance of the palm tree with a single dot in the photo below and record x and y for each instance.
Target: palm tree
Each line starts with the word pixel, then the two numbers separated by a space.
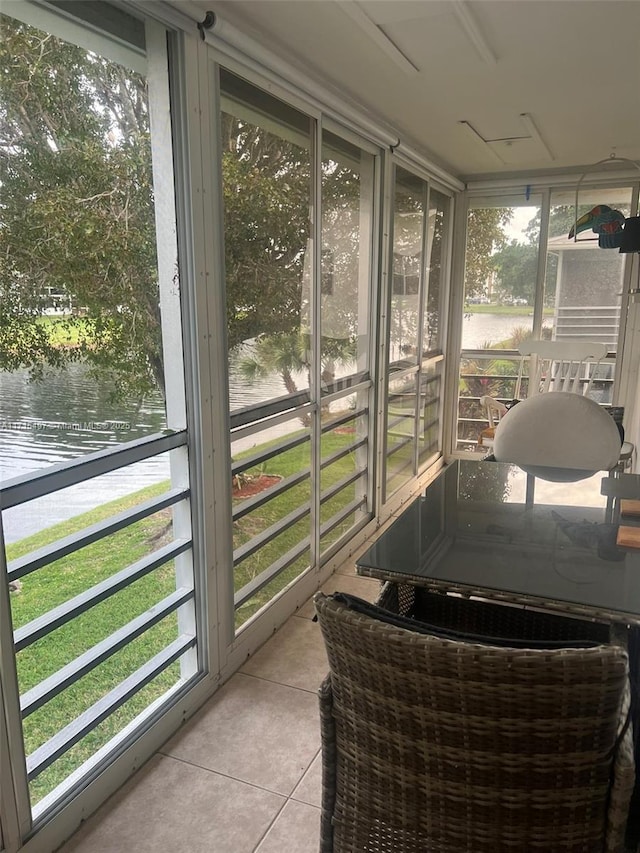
pixel 288 353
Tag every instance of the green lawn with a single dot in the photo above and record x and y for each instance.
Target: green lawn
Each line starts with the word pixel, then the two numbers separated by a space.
pixel 50 586
pixel 63 333
pixel 44 589
pixel 285 464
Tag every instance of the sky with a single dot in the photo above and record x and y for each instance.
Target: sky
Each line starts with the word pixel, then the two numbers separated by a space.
pixel 522 216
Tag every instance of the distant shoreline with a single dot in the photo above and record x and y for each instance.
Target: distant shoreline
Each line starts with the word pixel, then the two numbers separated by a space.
pixel 519 310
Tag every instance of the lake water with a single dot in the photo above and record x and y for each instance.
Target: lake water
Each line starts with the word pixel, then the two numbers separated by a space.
pixel 480 329
pixel 69 414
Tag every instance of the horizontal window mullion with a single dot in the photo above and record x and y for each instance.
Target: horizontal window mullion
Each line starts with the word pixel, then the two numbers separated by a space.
pixel 253 427
pixel 339 454
pixel 400 373
pixel 265 577
pixel 37 484
pixel 62 547
pixel 48 622
pixel 429 424
pixel 270 533
pixel 346 383
pixel 341 485
pixel 400 419
pixel 491 354
pixel 259 412
pixel 250 504
pixel 249 461
pixel 72 672
pixel 61 742
pixel 339 517
pixel 399 446
pixel 398 397
pixel 344 419
pixel 429 401
pixel 105 18
pixel 429 360
pixel 431 379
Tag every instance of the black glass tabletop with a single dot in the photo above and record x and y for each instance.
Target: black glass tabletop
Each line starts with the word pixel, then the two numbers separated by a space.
pixel 488 528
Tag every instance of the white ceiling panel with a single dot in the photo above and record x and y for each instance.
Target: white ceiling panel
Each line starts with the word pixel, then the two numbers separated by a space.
pixel 573 65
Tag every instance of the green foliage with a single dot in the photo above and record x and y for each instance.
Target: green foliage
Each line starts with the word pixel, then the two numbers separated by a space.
pixel 78 216
pixel 287 354
pixel 266 183
pixel 58 582
pixel 516 266
pixel 77 210
pixel 485 235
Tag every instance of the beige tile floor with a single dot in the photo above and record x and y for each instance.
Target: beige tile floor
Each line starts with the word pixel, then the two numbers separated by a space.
pixel 243 775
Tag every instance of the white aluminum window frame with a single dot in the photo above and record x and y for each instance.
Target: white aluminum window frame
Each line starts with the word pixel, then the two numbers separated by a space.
pixel 200 240
pixel 494 193
pixel 53 825
pixel 258 628
pixel 389 501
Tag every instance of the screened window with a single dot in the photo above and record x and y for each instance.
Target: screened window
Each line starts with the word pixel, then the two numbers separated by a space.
pixel 421 222
pixel 584 282
pixel 512 293
pixel 94 468
pixel 298 336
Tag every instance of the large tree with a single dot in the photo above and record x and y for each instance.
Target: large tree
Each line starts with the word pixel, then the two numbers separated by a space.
pixel 516 266
pixel 266 185
pixel 485 237
pixel 76 215
pixel 516 262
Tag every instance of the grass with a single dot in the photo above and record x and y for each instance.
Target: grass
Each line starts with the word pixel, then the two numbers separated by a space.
pixel 62 333
pixel 54 584
pixel 46 588
pixel 285 464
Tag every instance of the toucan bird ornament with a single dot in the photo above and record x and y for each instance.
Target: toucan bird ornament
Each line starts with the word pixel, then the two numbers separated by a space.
pixel 603 221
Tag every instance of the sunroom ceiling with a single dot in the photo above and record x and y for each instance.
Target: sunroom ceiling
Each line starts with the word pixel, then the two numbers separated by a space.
pixel 573 66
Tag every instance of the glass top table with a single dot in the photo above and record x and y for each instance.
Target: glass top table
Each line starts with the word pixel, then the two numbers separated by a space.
pixel 488 529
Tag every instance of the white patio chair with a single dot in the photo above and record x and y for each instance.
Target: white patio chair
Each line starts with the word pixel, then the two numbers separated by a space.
pixel 494 410
pixel 560 436
pixel 559 366
pixel 569 366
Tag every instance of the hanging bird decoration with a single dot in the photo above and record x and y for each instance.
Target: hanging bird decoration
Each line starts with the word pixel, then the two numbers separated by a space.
pixel 603 221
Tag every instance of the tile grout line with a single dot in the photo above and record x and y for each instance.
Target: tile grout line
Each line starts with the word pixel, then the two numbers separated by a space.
pixel 271 825
pixel 230 776
pixel 313 692
pixel 287 801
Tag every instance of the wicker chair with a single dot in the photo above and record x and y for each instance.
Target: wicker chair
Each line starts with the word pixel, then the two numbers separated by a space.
pixel 433 745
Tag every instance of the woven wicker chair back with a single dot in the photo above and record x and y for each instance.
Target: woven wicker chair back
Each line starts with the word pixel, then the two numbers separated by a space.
pixel 439 746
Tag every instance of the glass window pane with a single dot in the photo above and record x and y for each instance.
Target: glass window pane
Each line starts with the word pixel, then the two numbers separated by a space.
pixel 347 211
pixel 500 274
pixel 343 474
pixel 501 262
pixel 402 402
pixel 69 414
pixel 438 240
pixel 86 286
pixel 429 427
pixel 407 263
pixel 266 184
pixel 584 283
pixel 80 336
pixel 482 375
pixel 271 510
